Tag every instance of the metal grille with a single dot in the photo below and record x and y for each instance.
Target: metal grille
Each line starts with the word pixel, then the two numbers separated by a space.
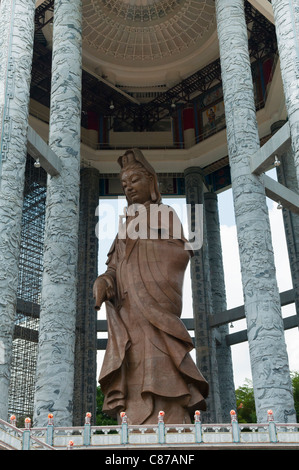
pixel 29 287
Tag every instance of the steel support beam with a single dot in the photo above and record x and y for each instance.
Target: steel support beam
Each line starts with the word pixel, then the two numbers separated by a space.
pixel 40 151
pixel 264 158
pixel 280 193
pixel 238 313
pixel 241 336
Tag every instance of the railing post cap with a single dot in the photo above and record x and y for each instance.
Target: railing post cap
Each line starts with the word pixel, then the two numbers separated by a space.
pixel 27 423
pixel 270 415
pixel 50 419
pixel 70 445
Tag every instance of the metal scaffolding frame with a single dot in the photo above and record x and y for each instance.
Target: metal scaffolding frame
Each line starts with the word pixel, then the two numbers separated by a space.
pixel 24 352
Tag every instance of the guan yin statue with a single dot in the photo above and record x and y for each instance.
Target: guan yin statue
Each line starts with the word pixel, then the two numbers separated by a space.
pixel 147 365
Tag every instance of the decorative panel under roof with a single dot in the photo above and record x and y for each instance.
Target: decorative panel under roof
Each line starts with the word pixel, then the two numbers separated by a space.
pixel 143 33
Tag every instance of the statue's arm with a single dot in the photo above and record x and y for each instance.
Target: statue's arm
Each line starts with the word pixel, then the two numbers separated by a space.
pixel 103 289
pixel 104 286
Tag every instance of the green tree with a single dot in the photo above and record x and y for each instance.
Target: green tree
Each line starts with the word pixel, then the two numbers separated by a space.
pixel 245 403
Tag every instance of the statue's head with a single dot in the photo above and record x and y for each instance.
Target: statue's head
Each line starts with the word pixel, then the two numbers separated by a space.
pixel 138 178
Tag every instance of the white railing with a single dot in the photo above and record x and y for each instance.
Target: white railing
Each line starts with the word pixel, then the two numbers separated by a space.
pixel 20 439
pixel 146 437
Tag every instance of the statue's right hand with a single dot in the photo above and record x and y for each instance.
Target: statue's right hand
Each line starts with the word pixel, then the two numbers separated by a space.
pixel 99 292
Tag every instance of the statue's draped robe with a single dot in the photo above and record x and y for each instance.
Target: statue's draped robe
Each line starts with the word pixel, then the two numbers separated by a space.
pixel 147 366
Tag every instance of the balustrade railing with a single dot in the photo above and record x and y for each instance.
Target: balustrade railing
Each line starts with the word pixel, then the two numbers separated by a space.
pixel 145 436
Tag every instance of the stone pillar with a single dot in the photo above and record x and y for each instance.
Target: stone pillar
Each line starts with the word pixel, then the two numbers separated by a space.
pixel 223 352
pixel 16 47
pixel 267 348
pixel 55 362
pixel 286 175
pixel 86 329
pixel 205 342
pixel 286 19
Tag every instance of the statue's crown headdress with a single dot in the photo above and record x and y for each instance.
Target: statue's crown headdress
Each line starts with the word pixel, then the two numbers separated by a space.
pixel 133 156
pixel 127 159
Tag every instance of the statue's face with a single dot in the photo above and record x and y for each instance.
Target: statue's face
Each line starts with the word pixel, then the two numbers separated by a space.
pixel 136 186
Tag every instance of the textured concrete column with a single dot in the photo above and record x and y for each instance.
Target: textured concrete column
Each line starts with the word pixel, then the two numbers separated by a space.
pixel 205 342
pixel 55 364
pixel 86 329
pixel 16 46
pixel 286 18
pixel 223 352
pixel 286 175
pixel 269 360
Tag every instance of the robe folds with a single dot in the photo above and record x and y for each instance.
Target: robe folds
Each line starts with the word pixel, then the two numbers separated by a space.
pixel 147 365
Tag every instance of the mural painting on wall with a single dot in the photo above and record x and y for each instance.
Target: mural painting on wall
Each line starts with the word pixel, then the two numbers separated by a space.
pixel 213 118
pixel 212 115
pixel 210 105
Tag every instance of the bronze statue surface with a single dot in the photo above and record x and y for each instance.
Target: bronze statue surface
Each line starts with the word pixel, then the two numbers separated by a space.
pixel 147 365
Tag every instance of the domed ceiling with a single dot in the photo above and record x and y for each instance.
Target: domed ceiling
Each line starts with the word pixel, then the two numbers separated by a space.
pixel 148 41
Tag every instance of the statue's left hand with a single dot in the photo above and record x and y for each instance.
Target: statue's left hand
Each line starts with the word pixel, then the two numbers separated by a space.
pixel 99 292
